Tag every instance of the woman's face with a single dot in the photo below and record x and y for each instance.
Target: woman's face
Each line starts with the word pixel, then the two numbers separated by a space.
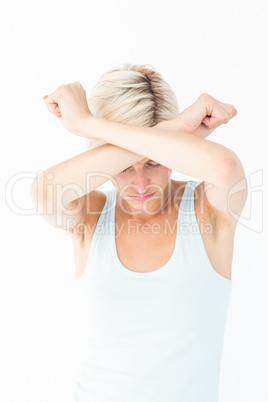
pixel 143 186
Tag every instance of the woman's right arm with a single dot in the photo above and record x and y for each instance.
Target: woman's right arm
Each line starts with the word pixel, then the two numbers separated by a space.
pixel 60 193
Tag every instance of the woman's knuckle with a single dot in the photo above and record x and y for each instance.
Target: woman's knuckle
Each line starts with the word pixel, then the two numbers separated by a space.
pixel 62 88
pixel 205 95
pixel 204 98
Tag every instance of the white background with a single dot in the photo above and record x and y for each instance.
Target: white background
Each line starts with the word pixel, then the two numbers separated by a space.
pixel 219 47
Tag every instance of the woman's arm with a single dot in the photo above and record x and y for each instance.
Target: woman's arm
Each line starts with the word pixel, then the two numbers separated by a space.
pixel 188 154
pixel 73 178
pixel 60 184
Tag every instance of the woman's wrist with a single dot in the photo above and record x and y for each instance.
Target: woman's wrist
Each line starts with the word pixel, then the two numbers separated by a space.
pixel 172 125
pixel 84 127
pixel 177 124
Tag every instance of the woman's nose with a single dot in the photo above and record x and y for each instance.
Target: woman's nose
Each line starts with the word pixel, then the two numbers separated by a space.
pixel 141 183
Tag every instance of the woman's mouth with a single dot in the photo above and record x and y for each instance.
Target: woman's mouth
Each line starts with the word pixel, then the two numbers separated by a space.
pixel 142 197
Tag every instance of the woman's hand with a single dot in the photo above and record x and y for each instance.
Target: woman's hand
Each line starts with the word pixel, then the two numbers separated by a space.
pixel 202 117
pixel 69 104
pixel 208 111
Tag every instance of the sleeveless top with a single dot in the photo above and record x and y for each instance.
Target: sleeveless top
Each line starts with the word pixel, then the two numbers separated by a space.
pixel 151 336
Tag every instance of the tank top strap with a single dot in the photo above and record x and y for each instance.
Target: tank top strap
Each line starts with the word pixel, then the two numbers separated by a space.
pixel 105 209
pixel 187 209
pixel 105 219
pixel 111 194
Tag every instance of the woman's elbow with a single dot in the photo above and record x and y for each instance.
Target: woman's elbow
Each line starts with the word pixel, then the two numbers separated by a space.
pixel 233 169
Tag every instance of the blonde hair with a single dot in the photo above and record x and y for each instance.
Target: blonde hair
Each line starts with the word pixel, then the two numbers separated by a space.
pixel 133 94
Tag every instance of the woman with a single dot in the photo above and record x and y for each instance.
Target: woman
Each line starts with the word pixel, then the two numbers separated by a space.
pixel 153 255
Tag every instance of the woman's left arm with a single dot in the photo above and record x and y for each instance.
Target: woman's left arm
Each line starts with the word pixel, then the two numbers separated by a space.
pixel 188 154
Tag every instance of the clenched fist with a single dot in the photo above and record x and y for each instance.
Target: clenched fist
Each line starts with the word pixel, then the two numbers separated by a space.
pixel 69 104
pixel 206 111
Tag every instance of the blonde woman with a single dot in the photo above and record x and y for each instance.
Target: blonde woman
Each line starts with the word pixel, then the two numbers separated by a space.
pixel 153 255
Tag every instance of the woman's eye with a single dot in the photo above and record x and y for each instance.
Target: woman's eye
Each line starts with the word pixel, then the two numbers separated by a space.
pixel 150 165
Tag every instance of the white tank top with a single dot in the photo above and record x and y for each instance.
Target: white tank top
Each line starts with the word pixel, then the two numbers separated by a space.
pixel 151 336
